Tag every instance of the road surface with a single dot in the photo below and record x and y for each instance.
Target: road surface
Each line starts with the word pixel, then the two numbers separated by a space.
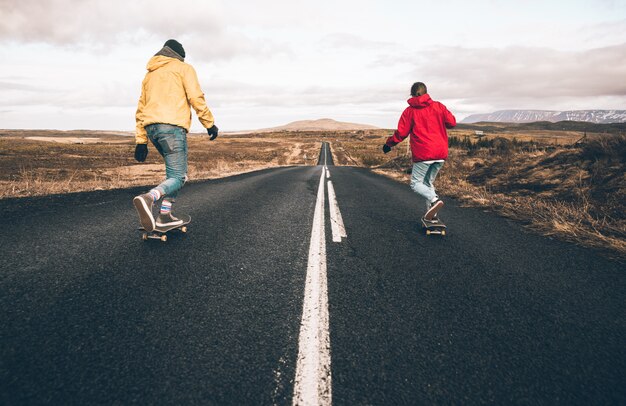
pixel 300 284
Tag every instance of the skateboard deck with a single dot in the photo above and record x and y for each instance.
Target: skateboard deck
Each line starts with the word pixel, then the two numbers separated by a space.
pixel 438 228
pixel 160 233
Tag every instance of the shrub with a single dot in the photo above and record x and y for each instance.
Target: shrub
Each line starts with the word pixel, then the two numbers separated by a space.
pixel 372 160
pixel 611 147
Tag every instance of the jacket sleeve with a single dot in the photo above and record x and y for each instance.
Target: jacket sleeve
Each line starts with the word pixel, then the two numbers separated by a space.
pixel 404 129
pixel 141 136
pixel 196 97
pixel 448 119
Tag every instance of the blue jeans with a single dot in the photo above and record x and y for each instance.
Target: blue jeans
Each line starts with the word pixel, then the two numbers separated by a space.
pixel 171 142
pixel 422 179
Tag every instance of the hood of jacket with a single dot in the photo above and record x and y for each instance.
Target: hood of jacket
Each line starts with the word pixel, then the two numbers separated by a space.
pixel 420 101
pixel 158 61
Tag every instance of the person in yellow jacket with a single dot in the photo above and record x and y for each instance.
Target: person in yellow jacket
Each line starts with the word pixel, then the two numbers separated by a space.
pixel 164 117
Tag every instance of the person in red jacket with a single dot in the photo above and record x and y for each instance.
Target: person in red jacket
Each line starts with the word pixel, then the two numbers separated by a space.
pixel 425 120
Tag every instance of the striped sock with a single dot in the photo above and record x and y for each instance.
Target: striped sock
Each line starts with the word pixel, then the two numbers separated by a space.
pixel 156 194
pixel 166 207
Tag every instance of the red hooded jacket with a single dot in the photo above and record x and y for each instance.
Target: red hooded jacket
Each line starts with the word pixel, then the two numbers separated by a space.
pixel 426 120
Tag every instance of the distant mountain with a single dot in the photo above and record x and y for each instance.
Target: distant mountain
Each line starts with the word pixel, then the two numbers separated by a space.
pixel 577 126
pixel 324 124
pixel 529 116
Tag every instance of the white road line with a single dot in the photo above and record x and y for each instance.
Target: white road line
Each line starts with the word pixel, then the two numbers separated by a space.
pixel 325 154
pixel 336 221
pixel 327 172
pixel 313 383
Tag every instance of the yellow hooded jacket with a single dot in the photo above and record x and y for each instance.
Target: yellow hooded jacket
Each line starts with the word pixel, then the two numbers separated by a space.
pixel 168 89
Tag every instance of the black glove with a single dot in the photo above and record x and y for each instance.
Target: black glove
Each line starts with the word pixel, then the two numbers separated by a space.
pixel 386 148
pixel 141 152
pixel 212 132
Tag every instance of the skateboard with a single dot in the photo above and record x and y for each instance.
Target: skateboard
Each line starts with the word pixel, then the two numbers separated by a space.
pixel 434 228
pixel 160 233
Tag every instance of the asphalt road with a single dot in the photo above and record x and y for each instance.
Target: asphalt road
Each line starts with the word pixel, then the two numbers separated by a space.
pixel 489 314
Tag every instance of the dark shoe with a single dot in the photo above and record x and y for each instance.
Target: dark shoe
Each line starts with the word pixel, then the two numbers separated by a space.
pixel 143 204
pixel 167 220
pixel 434 209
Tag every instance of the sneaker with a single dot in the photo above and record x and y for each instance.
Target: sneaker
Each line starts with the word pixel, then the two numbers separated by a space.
pixel 167 220
pixel 435 220
pixel 143 204
pixel 432 212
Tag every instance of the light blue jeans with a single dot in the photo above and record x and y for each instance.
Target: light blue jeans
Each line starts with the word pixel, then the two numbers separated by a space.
pixel 422 178
pixel 171 142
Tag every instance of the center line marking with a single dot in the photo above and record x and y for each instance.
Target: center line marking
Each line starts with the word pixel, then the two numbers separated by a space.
pixel 336 221
pixel 313 381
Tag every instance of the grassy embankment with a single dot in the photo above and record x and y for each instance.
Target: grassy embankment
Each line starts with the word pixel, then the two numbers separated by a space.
pixel 546 179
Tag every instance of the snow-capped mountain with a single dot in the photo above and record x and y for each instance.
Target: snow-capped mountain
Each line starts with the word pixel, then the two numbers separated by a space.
pixel 529 116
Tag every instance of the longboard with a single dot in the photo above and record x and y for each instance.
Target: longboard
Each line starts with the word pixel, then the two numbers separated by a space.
pixel 160 233
pixel 438 228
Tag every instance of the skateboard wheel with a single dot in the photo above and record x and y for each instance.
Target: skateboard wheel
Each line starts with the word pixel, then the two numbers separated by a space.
pixel 443 232
pixel 183 229
pixel 164 238
pixel 144 236
pixel 427 232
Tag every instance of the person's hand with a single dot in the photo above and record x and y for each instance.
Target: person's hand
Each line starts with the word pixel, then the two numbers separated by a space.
pixel 212 132
pixel 141 152
pixel 386 148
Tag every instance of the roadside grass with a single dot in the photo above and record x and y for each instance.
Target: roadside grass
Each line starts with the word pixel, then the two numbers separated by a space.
pixel 34 167
pixel 574 192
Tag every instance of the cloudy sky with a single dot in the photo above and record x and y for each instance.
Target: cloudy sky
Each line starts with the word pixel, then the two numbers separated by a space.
pixel 78 64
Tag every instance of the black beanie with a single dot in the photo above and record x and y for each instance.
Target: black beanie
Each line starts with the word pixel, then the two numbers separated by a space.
pixel 175 46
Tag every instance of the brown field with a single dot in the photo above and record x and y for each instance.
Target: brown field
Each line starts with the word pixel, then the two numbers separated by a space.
pixel 47 162
pixel 544 137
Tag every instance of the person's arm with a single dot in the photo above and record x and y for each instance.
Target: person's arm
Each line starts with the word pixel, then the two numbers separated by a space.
pixel 403 131
pixel 141 136
pixel 448 119
pixel 195 97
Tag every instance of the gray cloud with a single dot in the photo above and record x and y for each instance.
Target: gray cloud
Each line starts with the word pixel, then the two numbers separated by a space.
pixel 218 94
pixel 353 42
pixel 18 93
pixel 104 94
pixel 73 21
pixel 235 93
pixel 97 25
pixel 512 74
pixel 8 85
pixel 230 46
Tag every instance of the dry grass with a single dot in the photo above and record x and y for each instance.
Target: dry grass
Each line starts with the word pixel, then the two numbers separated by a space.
pixel 42 162
pixel 363 149
pixel 576 193
pixel 30 167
